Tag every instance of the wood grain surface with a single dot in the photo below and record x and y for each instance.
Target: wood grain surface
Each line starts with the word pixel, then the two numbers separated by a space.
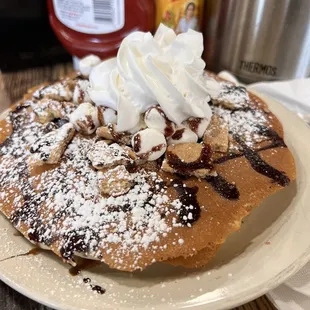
pixel 12 87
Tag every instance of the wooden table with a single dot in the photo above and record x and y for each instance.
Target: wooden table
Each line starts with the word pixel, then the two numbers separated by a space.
pixel 12 87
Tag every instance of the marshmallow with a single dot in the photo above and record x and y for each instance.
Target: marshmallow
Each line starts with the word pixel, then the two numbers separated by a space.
pixel 149 144
pixel 80 93
pixel 226 75
pixel 85 118
pixel 155 118
pixel 141 125
pixel 197 125
pixel 88 63
pixel 183 135
pixel 107 116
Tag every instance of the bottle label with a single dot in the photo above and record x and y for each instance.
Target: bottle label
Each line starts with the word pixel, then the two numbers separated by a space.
pixel 180 15
pixel 91 16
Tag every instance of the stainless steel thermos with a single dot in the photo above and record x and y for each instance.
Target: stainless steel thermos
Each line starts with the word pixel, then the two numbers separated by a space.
pixel 258 39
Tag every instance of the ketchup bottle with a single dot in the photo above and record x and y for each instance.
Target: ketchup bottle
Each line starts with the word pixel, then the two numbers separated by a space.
pixel 98 26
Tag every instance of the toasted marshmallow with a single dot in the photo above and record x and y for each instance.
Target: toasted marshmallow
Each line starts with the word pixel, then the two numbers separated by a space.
pixel 107 116
pixel 183 135
pixel 155 118
pixel 197 125
pixel 149 144
pixel 85 118
pixel 88 63
pixel 80 93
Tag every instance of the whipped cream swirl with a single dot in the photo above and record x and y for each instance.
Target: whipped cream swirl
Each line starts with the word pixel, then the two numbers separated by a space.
pixel 165 70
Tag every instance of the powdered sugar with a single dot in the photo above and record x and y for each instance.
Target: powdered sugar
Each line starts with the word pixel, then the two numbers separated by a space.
pixel 115 182
pixel 49 148
pixel 65 206
pixel 235 96
pixel 58 91
pixel 104 155
pixel 68 201
pixel 80 93
pixel 48 109
pixel 243 123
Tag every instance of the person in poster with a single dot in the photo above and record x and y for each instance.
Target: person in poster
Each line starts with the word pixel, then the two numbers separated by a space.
pixel 189 21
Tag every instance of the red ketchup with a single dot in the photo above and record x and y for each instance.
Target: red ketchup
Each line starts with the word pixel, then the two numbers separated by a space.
pixel 98 26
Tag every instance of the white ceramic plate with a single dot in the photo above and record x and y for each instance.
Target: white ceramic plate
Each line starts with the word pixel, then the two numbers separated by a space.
pixel 272 244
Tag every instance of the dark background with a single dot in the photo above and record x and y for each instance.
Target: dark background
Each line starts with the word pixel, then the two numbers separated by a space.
pixel 26 37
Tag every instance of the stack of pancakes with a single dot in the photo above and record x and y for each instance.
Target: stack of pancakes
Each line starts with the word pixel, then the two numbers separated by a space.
pixel 173 216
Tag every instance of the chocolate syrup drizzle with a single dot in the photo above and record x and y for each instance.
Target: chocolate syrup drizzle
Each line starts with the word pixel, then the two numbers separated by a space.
pixel 276 141
pixel 223 187
pixel 17 117
pixel 83 265
pixel 33 251
pixel 29 211
pixel 190 210
pixel 203 162
pixel 169 129
pixel 260 166
pixel 74 242
pixel 188 196
pixel 219 183
pixel 194 123
pixel 93 287
pixel 178 134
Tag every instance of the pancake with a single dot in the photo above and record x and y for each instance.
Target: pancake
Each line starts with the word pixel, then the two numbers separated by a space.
pixel 147 211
